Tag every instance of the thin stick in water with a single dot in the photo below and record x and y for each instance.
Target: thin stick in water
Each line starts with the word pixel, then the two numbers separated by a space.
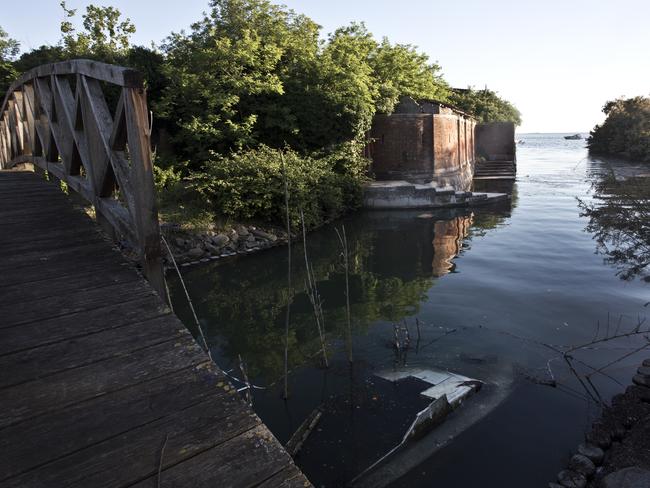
pixel 290 290
pixel 343 240
pixel 312 292
pixel 189 300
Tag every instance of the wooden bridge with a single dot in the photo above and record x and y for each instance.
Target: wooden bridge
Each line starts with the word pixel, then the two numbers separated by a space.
pixel 101 384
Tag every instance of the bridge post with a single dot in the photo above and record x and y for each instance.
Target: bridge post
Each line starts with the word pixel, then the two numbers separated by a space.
pixel 146 208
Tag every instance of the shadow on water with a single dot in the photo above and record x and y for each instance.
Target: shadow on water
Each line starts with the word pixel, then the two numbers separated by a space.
pixel 489 286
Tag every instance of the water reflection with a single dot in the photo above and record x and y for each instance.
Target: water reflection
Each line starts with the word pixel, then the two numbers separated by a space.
pixel 618 213
pixel 395 258
pixel 448 237
pixel 489 287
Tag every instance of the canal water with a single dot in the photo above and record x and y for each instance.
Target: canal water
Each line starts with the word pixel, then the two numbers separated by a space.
pixel 492 293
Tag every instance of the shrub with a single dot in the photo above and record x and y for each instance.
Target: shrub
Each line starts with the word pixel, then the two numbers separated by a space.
pixel 250 184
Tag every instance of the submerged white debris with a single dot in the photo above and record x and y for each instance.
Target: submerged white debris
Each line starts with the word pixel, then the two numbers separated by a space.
pixel 454 386
pixel 447 391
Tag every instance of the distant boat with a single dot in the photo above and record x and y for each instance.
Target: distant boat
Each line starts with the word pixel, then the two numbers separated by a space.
pixel 574 137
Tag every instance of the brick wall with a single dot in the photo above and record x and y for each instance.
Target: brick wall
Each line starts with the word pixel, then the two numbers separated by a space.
pixel 436 145
pixel 445 142
pixel 402 147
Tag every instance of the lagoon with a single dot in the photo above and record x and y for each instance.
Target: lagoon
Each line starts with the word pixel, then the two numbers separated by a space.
pixel 489 287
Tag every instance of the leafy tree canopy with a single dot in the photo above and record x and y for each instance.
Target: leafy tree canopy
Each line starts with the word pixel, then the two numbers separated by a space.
pixel 252 72
pixel 485 105
pixel 105 33
pixel 8 50
pixel 626 130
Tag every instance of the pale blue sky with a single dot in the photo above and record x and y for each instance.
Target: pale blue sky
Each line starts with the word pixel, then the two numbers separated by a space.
pixel 558 61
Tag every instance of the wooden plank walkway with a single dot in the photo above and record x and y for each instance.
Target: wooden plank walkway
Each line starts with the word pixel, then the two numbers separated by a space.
pixel 100 383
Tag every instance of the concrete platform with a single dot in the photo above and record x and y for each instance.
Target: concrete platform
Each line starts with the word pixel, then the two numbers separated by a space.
pixel 402 194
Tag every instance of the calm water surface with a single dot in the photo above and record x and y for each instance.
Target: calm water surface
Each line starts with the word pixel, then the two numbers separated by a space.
pixel 488 287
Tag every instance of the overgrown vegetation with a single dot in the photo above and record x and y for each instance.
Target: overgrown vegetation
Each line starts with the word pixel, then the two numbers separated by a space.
pixel 485 105
pixel 626 130
pixel 250 184
pixel 8 51
pixel 251 81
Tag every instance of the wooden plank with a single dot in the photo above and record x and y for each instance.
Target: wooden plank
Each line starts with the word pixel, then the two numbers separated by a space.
pixel 43 361
pixel 98 126
pixel 47 238
pixel 145 211
pixel 39 210
pixel 78 252
pixel 135 455
pixel 72 386
pixel 18 223
pixel 241 462
pixel 96 371
pixel 60 433
pixel 41 218
pixel 8 184
pixel 109 73
pixel 34 291
pixel 289 477
pixel 58 268
pixel 21 313
pixel 55 329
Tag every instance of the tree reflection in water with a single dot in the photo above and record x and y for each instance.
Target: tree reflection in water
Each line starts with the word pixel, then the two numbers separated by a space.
pixel 394 259
pixel 619 219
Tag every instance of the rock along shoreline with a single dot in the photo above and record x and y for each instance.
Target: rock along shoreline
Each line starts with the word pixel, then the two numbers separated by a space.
pixel 190 249
pixel 616 452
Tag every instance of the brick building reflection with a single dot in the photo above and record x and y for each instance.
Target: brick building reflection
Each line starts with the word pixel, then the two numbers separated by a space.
pixel 448 236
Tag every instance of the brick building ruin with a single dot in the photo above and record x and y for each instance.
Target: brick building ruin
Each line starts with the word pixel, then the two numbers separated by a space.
pixel 424 142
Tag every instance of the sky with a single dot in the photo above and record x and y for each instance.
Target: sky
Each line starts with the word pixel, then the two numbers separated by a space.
pixel 557 61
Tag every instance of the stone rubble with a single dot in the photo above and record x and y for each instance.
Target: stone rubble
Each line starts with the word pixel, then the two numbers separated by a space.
pixel 617 448
pixel 189 249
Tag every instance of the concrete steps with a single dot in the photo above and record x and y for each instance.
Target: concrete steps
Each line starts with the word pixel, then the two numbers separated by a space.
pixel 495 170
pixel 402 194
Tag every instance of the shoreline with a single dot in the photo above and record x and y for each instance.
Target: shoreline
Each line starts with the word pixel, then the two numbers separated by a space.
pixel 616 451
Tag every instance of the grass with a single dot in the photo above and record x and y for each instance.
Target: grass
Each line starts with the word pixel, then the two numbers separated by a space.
pixel 189 217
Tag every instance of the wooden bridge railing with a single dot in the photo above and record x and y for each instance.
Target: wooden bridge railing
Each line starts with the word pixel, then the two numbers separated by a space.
pixel 56 116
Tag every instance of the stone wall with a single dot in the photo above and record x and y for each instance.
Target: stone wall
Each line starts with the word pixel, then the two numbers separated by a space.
pixel 495 141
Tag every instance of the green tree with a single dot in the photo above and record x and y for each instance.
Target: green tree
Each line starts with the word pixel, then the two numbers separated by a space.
pixel 626 130
pixel 8 50
pixel 348 83
pixel 251 73
pixel 485 105
pixel 227 73
pixel 354 77
pixel 41 55
pixel 400 70
pixel 105 36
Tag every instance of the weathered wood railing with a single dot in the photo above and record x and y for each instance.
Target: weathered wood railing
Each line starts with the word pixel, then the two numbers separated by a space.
pixel 56 116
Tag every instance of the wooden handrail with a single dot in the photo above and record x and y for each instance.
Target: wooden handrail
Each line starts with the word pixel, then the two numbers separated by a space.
pixel 103 154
